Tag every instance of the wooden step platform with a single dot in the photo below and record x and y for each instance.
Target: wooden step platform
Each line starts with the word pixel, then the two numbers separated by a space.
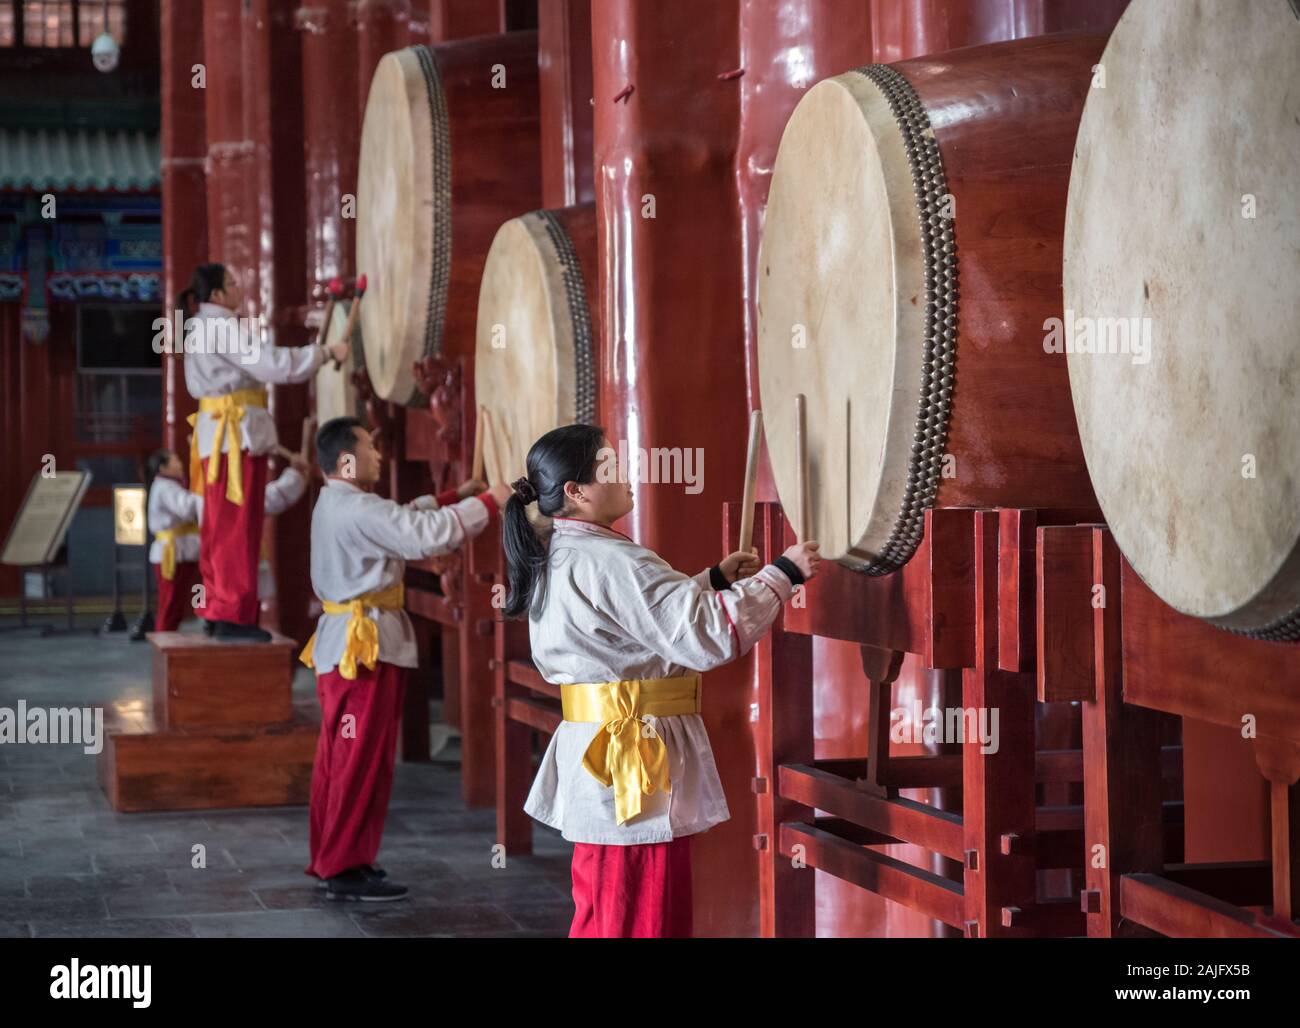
pixel 223 732
pixel 203 682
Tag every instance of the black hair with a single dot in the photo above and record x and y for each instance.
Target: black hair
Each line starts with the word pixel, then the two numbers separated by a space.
pixel 187 302
pixel 565 454
pixel 335 438
pixel 154 465
pixel 208 278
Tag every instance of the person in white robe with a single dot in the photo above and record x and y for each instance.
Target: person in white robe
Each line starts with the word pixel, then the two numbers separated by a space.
pixel 364 646
pixel 629 775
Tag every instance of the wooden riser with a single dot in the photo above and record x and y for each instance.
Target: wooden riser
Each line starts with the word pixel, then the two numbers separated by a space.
pixel 209 768
pixel 206 683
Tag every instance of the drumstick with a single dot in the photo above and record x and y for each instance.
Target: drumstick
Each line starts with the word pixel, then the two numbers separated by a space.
pixel 308 430
pixel 335 291
pixel 477 473
pixel 353 315
pixel 801 463
pixel 751 482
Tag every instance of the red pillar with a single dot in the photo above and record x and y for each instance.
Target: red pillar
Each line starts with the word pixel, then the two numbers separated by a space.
pixel 184 191
pixel 564 88
pixel 330 139
pixel 382 26
pixel 274 211
pixel 229 238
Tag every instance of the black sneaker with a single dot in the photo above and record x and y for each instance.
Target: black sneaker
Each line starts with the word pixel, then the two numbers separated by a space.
pixel 370 869
pixel 359 885
pixel 209 627
pixel 240 633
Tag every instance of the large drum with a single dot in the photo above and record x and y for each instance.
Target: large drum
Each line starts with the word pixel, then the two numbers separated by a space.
pixel 536 357
pixel 1182 279
pixel 909 268
pixel 449 150
pixel 336 394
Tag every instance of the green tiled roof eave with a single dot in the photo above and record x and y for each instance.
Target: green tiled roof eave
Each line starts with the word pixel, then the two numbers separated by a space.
pixel 83 160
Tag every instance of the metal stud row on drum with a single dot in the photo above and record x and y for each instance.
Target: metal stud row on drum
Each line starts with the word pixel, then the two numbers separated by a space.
pixel 575 295
pixel 440 161
pixel 939 253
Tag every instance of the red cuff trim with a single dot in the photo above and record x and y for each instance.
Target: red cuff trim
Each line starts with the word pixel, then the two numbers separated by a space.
pixel 447 497
pixel 489 501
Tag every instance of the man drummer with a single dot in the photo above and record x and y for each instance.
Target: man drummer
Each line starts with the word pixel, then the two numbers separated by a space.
pixel 226 369
pixel 364 645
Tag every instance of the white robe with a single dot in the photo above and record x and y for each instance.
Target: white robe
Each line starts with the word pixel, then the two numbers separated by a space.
pixel 607 610
pixel 360 543
pixel 171 504
pixel 229 357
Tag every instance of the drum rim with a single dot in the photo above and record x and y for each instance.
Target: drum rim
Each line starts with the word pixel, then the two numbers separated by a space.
pixel 550 248
pixel 924 375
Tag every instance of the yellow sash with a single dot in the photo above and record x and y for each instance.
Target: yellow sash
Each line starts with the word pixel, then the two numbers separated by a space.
pixel 228 410
pixel 362 646
pixel 168 537
pixel 627 752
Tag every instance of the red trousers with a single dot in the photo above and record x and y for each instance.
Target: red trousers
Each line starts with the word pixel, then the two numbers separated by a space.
pixel 175 598
pixel 352 777
pixel 231 543
pixel 632 892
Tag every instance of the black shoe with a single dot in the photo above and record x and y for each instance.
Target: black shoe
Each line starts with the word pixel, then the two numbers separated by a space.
pixel 369 869
pixel 361 885
pixel 240 633
pixel 209 627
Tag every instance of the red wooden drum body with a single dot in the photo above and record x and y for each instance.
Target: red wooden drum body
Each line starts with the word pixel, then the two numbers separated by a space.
pixel 910 270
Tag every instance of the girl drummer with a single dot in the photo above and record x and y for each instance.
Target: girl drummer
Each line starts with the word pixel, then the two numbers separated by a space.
pixel 628 776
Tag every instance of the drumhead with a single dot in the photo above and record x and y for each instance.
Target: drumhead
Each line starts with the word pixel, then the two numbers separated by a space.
pixel 1182 258
pixel 403 219
pixel 844 316
pixel 534 366
pixel 336 396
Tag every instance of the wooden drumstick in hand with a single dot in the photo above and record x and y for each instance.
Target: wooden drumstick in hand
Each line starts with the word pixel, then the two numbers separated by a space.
pixel 308 431
pixel 335 291
pixel 353 315
pixel 801 463
pixel 480 427
pixel 751 483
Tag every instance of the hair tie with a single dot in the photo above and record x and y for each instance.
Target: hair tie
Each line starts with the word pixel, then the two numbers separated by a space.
pixel 524 490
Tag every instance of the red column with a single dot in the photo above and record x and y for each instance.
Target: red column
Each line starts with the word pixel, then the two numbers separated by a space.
pixel 274 210
pixel 330 139
pixel 564 86
pixel 673 372
pixel 184 195
pixel 229 238
pixel 382 26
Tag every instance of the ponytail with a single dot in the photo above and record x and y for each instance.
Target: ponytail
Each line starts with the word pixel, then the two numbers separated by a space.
pixel 566 454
